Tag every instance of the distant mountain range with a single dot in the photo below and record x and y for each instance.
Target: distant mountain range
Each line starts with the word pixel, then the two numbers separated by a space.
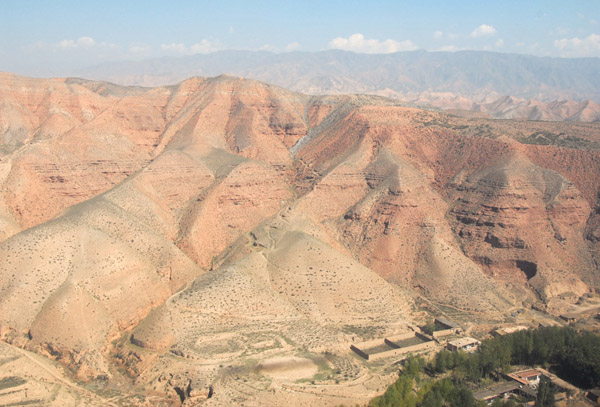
pixel 466 80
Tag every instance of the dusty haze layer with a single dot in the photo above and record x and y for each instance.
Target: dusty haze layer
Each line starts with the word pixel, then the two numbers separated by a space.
pixel 174 243
pixel 488 84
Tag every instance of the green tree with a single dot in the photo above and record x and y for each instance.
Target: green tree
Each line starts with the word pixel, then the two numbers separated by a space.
pixel 433 399
pixel 443 361
pixel 473 367
pixel 545 394
pixel 413 365
pixel 494 355
pixel 399 394
pixel 462 397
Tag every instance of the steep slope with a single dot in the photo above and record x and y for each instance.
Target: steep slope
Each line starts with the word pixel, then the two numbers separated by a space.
pixel 290 294
pixel 527 219
pixel 109 135
pixel 387 211
pixel 72 294
pixel 180 240
pixel 63 143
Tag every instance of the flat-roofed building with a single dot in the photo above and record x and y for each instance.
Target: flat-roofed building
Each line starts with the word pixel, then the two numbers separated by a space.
pixel 508 330
pixel 464 344
pixel 569 317
pixel 529 377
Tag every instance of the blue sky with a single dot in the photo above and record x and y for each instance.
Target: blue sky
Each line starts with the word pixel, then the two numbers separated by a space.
pixel 46 38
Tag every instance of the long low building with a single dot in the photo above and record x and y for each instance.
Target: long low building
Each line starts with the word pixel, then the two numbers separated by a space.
pixel 444 327
pixel 393 346
pixel 560 383
pixel 497 391
pixel 508 330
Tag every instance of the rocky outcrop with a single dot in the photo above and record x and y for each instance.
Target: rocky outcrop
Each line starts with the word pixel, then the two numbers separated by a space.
pixel 224 218
pixel 523 222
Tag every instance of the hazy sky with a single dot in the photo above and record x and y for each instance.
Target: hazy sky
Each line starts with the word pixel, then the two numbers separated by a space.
pixel 59 37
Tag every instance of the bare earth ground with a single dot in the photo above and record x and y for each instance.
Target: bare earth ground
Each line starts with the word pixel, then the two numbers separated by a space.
pixel 223 241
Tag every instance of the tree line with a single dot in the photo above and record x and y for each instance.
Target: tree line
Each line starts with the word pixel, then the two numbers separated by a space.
pixel 574 356
pixel 412 390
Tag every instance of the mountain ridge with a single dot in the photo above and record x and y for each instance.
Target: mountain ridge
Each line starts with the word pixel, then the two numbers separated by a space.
pixel 583 83
pixel 545 88
pixel 222 225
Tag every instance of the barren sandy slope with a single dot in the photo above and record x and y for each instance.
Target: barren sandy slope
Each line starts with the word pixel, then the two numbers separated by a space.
pixel 224 241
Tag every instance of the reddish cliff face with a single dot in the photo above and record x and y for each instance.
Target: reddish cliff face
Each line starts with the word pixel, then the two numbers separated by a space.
pixel 520 212
pixel 68 141
pixel 525 223
pixel 296 199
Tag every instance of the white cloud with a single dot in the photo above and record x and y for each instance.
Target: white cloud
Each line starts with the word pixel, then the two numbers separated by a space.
pixel 138 48
pixel 108 45
pixel 202 47
pixel 85 42
pixel 483 30
pixel 500 43
pixel 178 48
pixel 268 47
pixel 358 43
pixel 438 35
pixel 67 44
pixel 588 46
pixel 294 46
pixel 448 48
pixel 81 42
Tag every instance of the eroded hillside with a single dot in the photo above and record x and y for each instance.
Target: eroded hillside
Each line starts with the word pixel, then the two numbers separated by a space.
pixel 228 239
